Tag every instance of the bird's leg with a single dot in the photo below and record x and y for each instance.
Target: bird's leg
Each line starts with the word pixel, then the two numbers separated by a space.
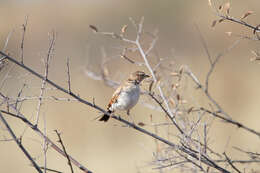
pixel 128 113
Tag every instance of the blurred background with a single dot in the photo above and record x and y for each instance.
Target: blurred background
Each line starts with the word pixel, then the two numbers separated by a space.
pixel 110 147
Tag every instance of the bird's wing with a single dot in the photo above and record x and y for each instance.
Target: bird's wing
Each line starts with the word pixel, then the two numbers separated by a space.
pixel 114 97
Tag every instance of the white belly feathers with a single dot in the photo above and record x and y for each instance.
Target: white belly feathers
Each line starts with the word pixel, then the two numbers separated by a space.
pixel 127 99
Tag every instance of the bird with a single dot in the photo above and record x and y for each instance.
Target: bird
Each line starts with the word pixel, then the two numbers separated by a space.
pixel 126 95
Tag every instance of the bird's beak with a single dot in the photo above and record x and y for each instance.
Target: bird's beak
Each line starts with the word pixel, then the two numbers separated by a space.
pixel 146 76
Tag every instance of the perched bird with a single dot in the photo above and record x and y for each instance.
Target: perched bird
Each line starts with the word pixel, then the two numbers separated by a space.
pixel 126 95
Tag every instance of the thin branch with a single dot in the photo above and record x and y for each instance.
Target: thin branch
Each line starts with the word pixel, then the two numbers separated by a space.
pixel 253 155
pixel 204 44
pixel 231 164
pixel 214 64
pixel 212 67
pixel 193 154
pixel 52 144
pixel 240 161
pixel 238 21
pixel 154 78
pixel 128 59
pixel 21 99
pixel 19 95
pixel 171 165
pixel 186 150
pixel 18 142
pixel 45 144
pixel 205 132
pixel 46 73
pixel 64 149
pixel 3 62
pixel 24 27
pixel 191 161
pixel 50 51
pixel 238 124
pixel 50 170
pixel 7 40
pixel 4 79
pixel 152 45
pixel 68 74
pixel 143 54
pixel 166 112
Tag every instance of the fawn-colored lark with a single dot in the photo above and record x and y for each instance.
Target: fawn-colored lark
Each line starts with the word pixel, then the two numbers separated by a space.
pixel 126 95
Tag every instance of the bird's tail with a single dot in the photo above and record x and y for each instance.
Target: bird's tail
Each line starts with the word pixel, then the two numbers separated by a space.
pixel 105 117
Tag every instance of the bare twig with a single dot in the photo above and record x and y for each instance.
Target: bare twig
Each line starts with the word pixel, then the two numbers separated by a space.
pixel 19 95
pixel 50 170
pixel 68 74
pixel 213 65
pixel 153 75
pixel 239 125
pixel 64 149
pixel 204 44
pixel 52 144
pixel 46 65
pixel 18 142
pixel 205 137
pixel 185 149
pixel 231 164
pixel 240 161
pixel 136 42
pixel 188 151
pixel 205 88
pixel 7 40
pixel 24 27
pixel 166 112
pixel 45 144
pixel 3 62
pixel 253 155
pixel 238 21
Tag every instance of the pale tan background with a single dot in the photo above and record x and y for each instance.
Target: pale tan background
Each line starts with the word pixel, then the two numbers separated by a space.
pixel 110 147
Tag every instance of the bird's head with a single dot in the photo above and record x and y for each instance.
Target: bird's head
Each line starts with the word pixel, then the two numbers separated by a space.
pixel 138 77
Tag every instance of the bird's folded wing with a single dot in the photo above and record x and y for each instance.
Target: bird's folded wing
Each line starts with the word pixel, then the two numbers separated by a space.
pixel 114 97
